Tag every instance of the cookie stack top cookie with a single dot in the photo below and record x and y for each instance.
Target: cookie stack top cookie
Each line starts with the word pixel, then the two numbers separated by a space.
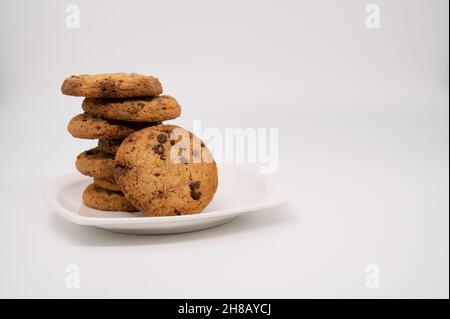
pixel 112 85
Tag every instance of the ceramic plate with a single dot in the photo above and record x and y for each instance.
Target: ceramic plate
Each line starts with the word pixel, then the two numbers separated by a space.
pixel 240 190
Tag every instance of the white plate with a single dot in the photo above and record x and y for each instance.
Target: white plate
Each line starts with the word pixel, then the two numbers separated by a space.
pixel 240 190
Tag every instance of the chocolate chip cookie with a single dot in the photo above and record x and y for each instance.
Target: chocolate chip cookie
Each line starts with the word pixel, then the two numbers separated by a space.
pixel 112 85
pixel 147 109
pixel 103 199
pixel 91 127
pixel 95 163
pixel 107 183
pixel 165 170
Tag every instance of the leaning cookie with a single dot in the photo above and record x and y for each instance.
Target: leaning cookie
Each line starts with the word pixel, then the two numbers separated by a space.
pixel 107 183
pixel 112 85
pixel 103 199
pixel 148 109
pixel 91 127
pixel 95 163
pixel 165 170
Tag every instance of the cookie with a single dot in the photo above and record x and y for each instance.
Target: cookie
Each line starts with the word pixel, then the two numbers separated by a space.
pixel 147 109
pixel 112 85
pixel 103 199
pixel 107 183
pixel 165 170
pixel 95 163
pixel 109 146
pixel 92 127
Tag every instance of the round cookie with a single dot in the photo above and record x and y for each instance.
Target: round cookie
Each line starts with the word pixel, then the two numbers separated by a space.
pixel 107 183
pixel 111 85
pixel 165 170
pixel 103 199
pixel 109 146
pixel 95 163
pixel 147 109
pixel 91 127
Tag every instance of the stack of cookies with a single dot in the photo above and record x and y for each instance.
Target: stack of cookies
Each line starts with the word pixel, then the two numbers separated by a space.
pixel 138 163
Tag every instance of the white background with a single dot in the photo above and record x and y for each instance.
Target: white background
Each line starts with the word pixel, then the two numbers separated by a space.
pixel 364 149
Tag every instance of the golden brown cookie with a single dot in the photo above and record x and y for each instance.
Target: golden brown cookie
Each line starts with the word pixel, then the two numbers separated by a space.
pixel 92 127
pixel 95 163
pixel 103 199
pixel 165 170
pixel 112 85
pixel 146 109
pixel 107 183
pixel 109 146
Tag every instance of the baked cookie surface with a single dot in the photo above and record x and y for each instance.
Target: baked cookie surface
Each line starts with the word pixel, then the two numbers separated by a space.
pixel 148 109
pixel 109 146
pixel 165 170
pixel 88 126
pixel 111 85
pixel 107 183
pixel 103 199
pixel 95 163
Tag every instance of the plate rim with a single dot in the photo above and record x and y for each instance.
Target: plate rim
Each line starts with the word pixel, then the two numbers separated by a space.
pixel 274 195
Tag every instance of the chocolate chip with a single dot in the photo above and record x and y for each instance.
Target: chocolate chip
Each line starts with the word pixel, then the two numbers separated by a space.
pixel 120 165
pixel 172 142
pixel 194 185
pixel 176 211
pixel 162 138
pixel 202 144
pixel 160 194
pixel 157 174
pixel 158 149
pixel 196 195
